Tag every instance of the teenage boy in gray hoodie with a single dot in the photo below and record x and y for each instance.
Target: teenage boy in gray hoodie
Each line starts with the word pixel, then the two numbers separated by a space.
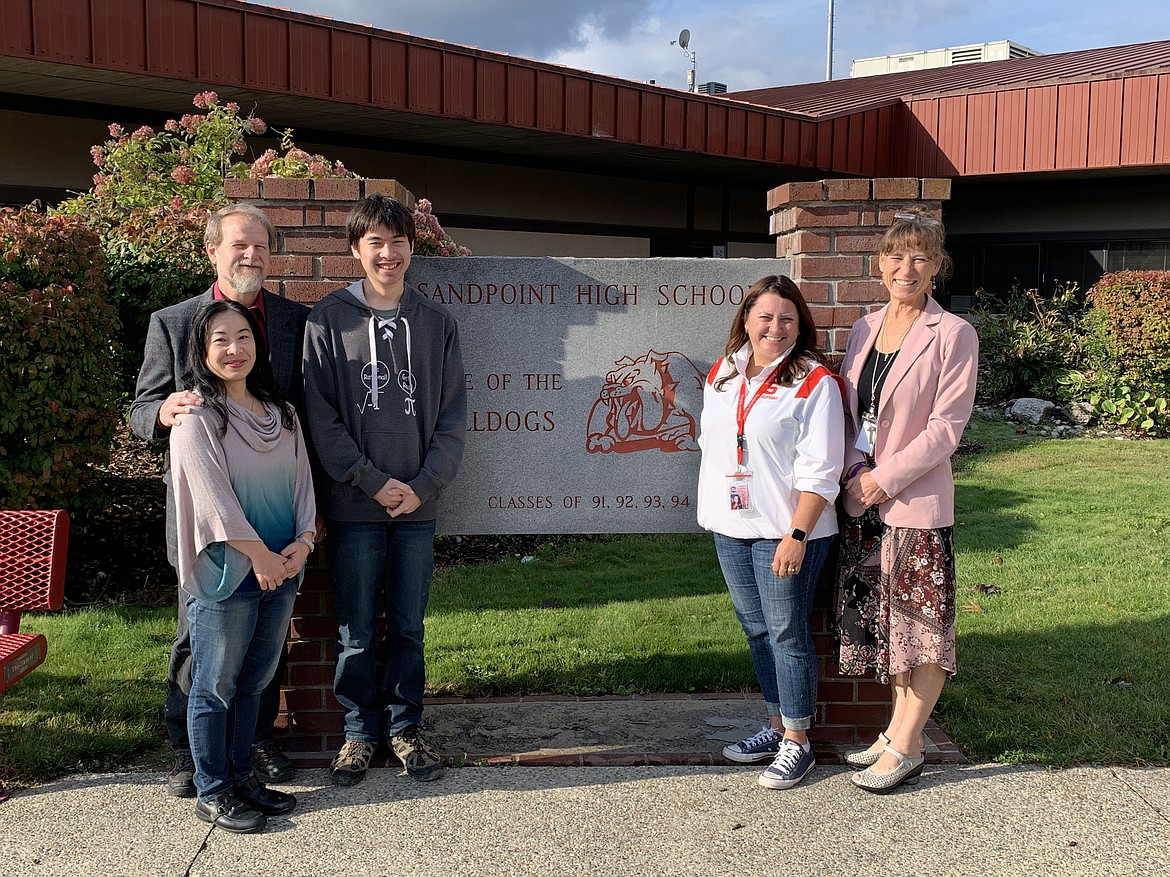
pixel 386 406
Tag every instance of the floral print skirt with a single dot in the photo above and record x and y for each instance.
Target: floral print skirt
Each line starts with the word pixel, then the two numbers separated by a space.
pixel 895 598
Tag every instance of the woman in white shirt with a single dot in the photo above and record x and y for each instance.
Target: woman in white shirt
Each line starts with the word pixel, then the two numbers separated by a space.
pixel 772 437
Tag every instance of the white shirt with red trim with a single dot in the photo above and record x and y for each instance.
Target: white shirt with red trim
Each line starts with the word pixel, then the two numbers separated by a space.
pixel 795 443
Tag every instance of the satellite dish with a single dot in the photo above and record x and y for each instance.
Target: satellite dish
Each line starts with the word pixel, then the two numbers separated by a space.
pixel 684 38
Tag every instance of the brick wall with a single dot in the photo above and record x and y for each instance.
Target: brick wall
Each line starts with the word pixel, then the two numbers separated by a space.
pixel 830 230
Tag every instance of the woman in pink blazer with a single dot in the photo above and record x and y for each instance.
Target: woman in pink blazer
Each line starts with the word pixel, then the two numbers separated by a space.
pixel 910 373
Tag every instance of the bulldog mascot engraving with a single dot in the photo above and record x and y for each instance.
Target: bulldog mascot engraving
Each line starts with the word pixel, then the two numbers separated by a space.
pixel 646 403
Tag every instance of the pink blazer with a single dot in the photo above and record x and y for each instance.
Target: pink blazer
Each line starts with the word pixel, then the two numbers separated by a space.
pixel 925 405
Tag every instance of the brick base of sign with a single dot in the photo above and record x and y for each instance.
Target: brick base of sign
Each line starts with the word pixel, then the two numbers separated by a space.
pixel 850 710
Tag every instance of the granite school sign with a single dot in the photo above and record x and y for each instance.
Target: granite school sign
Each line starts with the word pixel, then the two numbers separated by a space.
pixel 585 384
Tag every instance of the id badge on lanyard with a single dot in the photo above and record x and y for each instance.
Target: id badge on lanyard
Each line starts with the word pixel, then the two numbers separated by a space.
pixel 739 494
pixel 867 435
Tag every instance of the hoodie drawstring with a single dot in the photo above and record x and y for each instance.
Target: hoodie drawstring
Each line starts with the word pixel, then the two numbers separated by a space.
pixel 405 380
pixel 374 362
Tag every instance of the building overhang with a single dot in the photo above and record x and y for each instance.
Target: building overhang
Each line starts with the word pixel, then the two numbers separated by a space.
pixel 338 80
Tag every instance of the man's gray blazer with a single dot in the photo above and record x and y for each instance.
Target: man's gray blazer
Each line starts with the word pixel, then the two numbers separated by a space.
pixel 165 360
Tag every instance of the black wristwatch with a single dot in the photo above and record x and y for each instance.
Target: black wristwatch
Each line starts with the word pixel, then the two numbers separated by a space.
pixel 798 534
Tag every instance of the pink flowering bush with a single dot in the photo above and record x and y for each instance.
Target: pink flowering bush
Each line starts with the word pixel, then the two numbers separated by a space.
pixel 430 237
pixel 184 164
pixel 294 164
pixel 149 204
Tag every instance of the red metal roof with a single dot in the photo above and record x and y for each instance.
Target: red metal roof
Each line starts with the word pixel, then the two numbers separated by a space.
pixel 351 78
pixel 840 96
pixel 1073 112
pixel 1100 109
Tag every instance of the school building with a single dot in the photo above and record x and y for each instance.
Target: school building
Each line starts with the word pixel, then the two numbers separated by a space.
pixel 1057 163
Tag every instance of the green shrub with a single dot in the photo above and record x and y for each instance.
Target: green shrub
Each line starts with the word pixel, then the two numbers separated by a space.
pixel 1129 351
pixel 1028 344
pixel 58 389
pixel 1135 410
pixel 154 258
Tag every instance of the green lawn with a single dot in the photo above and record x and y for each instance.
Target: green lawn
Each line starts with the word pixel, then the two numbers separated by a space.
pixel 1068 661
pixel 1064 623
pixel 96 702
pixel 633 614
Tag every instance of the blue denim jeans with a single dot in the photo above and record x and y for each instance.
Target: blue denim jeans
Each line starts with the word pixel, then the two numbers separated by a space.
pixel 773 613
pixel 179 686
pixel 235 647
pixel 371 564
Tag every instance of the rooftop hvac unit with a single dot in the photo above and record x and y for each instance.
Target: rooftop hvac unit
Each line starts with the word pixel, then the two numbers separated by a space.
pixel 967 55
pixel 932 58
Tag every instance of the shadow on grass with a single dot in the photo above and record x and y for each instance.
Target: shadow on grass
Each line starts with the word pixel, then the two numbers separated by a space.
pixel 56 724
pixel 988 517
pixel 1069 694
pixel 626 568
pixel 592 673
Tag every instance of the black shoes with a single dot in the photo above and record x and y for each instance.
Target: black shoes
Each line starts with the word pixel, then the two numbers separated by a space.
pixel 181 782
pixel 272 765
pixel 229 812
pixel 268 801
pixel 246 808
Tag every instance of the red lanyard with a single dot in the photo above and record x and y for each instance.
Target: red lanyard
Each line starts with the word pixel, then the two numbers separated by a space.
pixel 742 411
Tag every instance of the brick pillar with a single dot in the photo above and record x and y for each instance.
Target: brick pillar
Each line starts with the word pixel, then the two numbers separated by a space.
pixel 310 714
pixel 830 230
pixel 850 709
pixel 311 260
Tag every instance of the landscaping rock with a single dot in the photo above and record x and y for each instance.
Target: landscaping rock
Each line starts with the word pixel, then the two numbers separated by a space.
pixel 1080 413
pixel 1031 410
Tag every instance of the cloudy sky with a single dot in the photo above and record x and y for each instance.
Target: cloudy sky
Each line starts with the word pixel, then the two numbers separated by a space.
pixel 748 44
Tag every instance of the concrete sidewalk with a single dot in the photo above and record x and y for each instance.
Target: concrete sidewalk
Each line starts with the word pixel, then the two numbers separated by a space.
pixel 672 807
pixel 699 820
